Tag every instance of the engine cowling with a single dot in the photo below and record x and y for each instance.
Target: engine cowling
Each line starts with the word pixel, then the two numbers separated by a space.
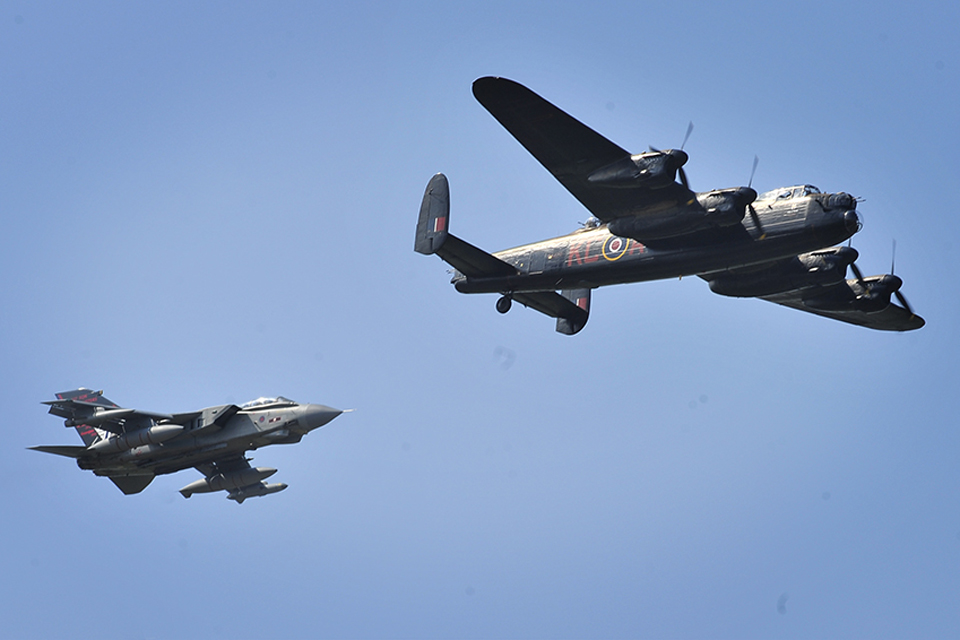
pixel 869 296
pixel 726 207
pixel 805 270
pixel 720 208
pixel 652 170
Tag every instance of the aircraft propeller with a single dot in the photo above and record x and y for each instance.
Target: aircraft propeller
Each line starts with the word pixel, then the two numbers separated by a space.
pixel 679 156
pixel 753 212
pixel 896 282
pixel 893 263
pixel 680 172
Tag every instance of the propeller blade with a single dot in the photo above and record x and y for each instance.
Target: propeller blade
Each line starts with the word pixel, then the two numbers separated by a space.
pixel 687 137
pixel 756 161
pixel 893 257
pixel 856 272
pixel 903 301
pixel 683 178
pixel 756 221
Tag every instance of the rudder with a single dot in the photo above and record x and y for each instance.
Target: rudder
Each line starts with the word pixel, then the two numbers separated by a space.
pixel 573 323
pixel 78 404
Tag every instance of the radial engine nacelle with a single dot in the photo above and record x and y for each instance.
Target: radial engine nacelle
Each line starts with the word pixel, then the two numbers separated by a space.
pixel 228 481
pixel 152 435
pixel 652 170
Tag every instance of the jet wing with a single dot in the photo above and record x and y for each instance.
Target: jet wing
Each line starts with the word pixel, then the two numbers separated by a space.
pixel 570 150
pixel 235 476
pixel 184 418
pixel 892 318
pixel 224 465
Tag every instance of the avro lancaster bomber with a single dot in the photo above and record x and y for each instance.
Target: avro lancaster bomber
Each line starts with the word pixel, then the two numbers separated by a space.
pixel 647 224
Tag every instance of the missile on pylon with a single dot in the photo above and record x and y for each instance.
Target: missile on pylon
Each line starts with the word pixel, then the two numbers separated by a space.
pixel 228 481
pixel 261 489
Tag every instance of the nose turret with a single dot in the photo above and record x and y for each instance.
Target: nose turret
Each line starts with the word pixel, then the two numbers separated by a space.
pixel 841 201
pixel 851 221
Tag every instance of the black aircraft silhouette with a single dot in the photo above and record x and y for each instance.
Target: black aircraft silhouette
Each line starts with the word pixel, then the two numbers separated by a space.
pixel 648 226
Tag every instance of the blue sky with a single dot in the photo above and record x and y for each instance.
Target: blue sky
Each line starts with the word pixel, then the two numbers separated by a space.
pixel 210 202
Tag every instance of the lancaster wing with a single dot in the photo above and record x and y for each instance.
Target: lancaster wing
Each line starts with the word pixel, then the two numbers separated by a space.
pixel 571 151
pixel 892 317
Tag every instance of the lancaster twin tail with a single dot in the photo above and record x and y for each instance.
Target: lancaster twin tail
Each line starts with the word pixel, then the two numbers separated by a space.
pixel 131 446
pixel 646 225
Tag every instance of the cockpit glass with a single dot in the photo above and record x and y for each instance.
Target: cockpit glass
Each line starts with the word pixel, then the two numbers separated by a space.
pixel 264 402
pixel 789 192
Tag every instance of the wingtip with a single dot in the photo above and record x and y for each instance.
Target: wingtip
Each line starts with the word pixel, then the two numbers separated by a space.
pixel 487 84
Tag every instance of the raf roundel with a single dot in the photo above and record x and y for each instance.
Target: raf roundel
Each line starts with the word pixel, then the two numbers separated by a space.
pixel 615 247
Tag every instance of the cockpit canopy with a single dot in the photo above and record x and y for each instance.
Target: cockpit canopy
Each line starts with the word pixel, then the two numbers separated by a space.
pixel 263 403
pixel 785 193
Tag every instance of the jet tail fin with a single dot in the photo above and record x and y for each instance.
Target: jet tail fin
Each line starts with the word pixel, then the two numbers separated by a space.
pixel 79 404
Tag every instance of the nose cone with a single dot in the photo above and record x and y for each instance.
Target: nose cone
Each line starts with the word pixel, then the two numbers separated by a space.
pixel 891 282
pixel 747 194
pixel 847 255
pixel 678 157
pixel 314 416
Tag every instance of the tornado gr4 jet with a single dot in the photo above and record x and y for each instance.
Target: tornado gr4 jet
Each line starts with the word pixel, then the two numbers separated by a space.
pixel 131 446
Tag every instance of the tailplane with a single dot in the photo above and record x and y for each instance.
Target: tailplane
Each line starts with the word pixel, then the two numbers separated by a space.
pixel 434 237
pixel 571 307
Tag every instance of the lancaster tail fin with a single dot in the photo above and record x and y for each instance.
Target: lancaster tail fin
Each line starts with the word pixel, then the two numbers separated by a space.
pixel 434 237
pixel 434 216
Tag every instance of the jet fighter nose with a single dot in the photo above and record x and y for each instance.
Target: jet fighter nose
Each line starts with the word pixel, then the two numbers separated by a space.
pixel 314 416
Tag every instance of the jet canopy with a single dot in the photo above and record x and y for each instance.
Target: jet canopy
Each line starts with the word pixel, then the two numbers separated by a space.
pixel 263 403
pixel 785 193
